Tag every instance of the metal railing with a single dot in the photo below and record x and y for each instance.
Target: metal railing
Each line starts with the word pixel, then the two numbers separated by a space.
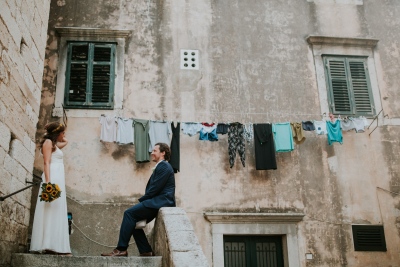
pixel 32 183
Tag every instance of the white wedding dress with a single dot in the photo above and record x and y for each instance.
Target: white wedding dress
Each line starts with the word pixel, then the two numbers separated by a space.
pixel 50 223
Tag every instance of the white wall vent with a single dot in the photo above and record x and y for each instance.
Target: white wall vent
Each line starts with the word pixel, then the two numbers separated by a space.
pixel 189 59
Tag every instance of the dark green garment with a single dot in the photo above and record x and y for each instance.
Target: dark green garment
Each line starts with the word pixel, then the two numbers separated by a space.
pixel 142 140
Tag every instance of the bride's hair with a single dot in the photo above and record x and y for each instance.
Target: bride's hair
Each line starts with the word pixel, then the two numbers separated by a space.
pixel 53 130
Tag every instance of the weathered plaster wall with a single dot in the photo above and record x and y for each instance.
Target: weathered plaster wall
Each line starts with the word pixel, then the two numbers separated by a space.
pixel 388 51
pixel 255 66
pixel 23 27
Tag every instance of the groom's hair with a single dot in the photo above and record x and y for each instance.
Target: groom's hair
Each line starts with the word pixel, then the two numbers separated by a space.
pixel 165 148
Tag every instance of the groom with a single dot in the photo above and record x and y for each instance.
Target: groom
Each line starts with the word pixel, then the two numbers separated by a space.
pixel 160 192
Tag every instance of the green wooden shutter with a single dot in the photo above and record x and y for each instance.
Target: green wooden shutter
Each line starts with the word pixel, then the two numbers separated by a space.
pixel 77 74
pixel 102 84
pixel 90 75
pixel 361 87
pixel 340 100
pixel 349 86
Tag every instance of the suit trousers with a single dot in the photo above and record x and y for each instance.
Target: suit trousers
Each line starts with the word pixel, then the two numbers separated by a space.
pixel 131 216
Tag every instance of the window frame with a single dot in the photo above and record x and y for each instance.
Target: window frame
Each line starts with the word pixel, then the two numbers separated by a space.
pixel 282 224
pixel 72 34
pixel 350 85
pixel 343 46
pixel 89 104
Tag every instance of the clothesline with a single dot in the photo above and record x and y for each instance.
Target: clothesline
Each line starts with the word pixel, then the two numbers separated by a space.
pixel 324 115
pixel 261 113
pixel 268 137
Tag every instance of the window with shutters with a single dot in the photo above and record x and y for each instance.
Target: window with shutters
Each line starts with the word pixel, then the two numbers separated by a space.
pixel 349 87
pixel 369 238
pixel 90 75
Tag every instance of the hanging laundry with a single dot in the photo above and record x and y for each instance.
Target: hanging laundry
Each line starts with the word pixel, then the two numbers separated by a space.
pixel 236 142
pixel 108 132
pixel 264 147
pixel 347 124
pixel 125 131
pixel 248 132
pixel 359 125
pixel 142 140
pixel 222 128
pixel 308 126
pixel 283 137
pixel 332 117
pixel 159 132
pixel 191 128
pixel 320 127
pixel 297 132
pixel 175 143
pixel 208 132
pixel 366 124
pixel 334 132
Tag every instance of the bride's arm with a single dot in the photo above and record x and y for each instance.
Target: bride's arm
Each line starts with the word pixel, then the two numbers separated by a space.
pixel 47 150
pixel 63 143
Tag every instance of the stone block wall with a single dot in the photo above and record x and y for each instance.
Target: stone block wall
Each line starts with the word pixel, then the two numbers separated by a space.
pixel 175 240
pixel 23 33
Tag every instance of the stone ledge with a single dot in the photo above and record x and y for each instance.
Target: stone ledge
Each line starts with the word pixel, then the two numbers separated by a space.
pixel 172 211
pixel 241 218
pixel 92 32
pixel 197 258
pixel 343 41
pixel 39 260
pixel 183 241
pixel 176 241
pixel 177 223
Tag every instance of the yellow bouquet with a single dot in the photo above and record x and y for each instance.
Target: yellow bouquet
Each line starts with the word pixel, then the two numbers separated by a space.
pixel 50 192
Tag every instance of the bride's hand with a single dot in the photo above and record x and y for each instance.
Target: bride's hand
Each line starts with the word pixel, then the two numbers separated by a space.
pixel 63 143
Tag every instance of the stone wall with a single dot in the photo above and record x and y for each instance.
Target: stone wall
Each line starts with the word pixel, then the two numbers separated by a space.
pixel 176 241
pixel 23 33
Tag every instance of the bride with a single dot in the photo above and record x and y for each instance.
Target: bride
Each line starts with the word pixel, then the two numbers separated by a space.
pixel 50 224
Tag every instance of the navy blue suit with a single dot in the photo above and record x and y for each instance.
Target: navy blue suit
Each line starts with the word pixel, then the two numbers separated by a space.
pixel 160 189
pixel 160 192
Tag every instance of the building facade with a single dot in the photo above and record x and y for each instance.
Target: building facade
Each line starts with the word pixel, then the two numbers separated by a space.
pixel 253 62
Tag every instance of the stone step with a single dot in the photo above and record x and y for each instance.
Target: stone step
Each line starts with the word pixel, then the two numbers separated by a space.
pixel 38 260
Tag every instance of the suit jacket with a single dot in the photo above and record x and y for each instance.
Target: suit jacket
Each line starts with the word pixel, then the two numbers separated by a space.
pixel 160 189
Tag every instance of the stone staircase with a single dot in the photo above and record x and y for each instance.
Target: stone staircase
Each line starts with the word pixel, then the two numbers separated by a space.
pixel 175 243
pixel 37 260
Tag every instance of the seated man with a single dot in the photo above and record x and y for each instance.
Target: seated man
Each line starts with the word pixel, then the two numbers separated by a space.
pixel 160 192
